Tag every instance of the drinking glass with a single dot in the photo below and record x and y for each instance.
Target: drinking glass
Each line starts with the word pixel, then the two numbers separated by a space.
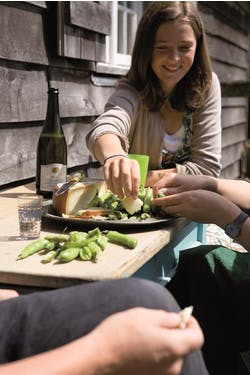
pixel 29 214
pixel 143 161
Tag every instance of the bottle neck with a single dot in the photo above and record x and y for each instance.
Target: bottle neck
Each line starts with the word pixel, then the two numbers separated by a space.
pixel 52 122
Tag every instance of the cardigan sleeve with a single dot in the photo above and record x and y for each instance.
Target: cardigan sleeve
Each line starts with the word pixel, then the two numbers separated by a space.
pixel 206 139
pixel 118 116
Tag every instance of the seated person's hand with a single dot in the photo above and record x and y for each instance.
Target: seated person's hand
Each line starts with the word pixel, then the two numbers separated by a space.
pixel 156 175
pixel 199 205
pixel 7 293
pixel 155 348
pixel 173 183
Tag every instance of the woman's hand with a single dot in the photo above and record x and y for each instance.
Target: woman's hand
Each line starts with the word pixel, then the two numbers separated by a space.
pixel 122 176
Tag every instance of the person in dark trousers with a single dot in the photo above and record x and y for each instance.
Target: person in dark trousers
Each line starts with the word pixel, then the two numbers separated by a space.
pixel 213 278
pixel 116 327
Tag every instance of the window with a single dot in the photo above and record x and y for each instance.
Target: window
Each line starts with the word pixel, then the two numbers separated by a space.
pixel 82 28
pixel 125 18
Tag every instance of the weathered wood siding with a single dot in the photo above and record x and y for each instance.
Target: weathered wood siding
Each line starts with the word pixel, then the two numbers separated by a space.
pixel 227 27
pixel 58 44
pixel 29 64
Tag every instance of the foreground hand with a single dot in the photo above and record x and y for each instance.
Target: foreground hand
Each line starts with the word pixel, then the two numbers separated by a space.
pixel 147 342
pixel 199 205
pixel 122 176
pixel 173 183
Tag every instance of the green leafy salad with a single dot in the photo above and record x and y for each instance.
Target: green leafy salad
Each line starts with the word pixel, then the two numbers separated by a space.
pixel 115 208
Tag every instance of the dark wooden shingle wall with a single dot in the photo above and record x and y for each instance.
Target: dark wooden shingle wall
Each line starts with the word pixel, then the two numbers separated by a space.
pixel 45 44
pixel 227 27
pixel 29 64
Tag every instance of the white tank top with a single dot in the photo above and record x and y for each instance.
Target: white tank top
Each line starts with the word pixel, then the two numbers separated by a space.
pixel 172 142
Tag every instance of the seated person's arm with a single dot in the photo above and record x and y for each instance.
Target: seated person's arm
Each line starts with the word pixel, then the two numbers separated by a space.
pixel 238 191
pixel 205 207
pixel 157 348
pixel 7 293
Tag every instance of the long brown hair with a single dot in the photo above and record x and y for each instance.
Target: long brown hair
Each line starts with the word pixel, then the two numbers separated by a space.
pixel 191 91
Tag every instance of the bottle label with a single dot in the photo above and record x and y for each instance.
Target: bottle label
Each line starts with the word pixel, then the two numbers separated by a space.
pixel 51 175
pixel 51 135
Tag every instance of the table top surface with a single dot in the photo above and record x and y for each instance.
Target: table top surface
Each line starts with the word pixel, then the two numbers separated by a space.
pixel 115 261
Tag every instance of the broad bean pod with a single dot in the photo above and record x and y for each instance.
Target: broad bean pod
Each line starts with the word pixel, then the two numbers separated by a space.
pixel 77 236
pixel 94 232
pixel 95 250
pixel 49 256
pixel 146 208
pixel 102 241
pixel 68 254
pixel 85 253
pixel 51 245
pixel 57 237
pixel 33 248
pixel 80 243
pixel 121 239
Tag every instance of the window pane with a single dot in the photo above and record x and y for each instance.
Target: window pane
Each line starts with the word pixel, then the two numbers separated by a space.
pixel 131 4
pixel 122 28
pixel 131 30
pixel 125 17
pixel 127 23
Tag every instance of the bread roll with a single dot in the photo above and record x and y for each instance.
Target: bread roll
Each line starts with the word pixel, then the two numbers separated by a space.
pixel 77 197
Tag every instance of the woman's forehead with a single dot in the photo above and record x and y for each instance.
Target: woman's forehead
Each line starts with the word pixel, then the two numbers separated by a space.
pixel 174 30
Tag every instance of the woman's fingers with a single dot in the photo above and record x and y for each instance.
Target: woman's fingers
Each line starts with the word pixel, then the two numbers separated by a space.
pixel 122 177
pixel 134 179
pixel 111 172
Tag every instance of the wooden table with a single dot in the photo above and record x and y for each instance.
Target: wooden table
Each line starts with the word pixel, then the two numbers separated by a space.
pixel 154 257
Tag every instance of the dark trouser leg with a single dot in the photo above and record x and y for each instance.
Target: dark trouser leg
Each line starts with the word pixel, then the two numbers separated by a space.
pixel 41 321
pixel 216 281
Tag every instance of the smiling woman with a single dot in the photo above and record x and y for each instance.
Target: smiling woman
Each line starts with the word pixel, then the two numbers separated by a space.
pixel 173 54
pixel 167 107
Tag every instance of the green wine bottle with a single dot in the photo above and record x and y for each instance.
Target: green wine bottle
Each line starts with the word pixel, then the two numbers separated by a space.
pixel 51 166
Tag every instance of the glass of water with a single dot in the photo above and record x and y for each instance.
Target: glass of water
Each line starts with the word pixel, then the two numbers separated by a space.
pixel 29 213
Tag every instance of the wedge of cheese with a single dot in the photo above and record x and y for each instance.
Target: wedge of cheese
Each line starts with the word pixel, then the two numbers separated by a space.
pixel 77 197
pixel 132 205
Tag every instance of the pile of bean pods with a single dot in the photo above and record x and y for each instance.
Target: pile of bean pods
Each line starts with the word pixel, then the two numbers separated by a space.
pixel 81 245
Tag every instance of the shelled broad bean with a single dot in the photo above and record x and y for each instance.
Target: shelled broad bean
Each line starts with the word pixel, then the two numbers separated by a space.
pixel 76 245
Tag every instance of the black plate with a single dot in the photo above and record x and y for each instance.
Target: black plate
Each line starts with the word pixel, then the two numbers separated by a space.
pixel 106 224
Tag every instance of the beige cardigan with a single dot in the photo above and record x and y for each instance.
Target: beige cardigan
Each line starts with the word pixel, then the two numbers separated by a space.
pixel 140 131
